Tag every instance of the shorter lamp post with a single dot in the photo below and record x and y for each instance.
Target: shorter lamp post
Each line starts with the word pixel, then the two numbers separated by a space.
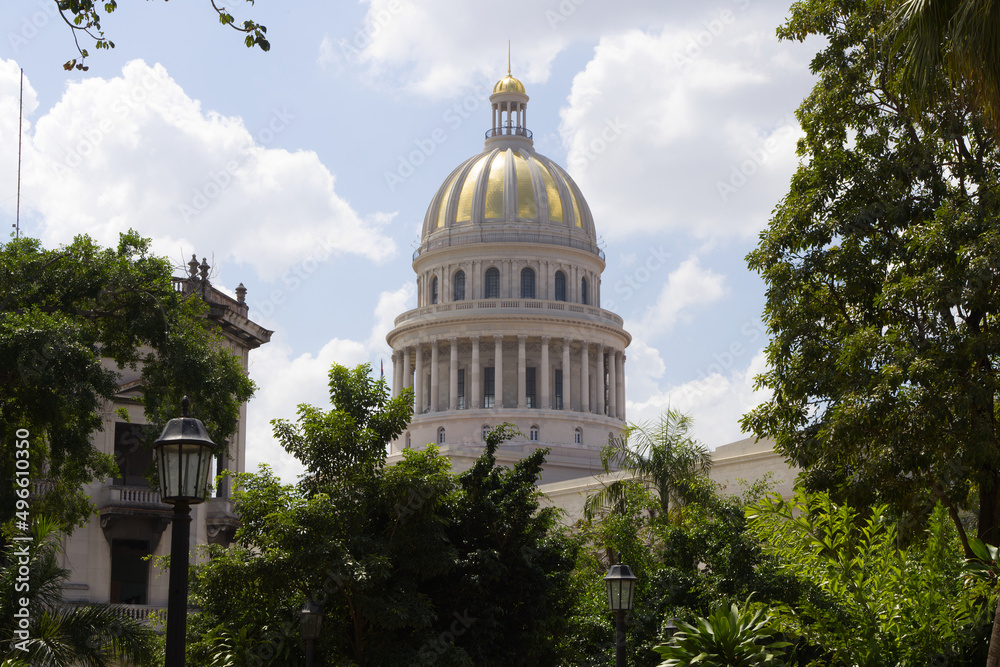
pixel 621 586
pixel 311 619
pixel 183 457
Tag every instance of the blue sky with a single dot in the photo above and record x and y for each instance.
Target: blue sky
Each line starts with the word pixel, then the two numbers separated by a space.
pixel 305 172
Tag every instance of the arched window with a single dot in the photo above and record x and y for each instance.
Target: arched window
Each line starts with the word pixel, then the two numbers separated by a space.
pixel 441 435
pixel 533 433
pixel 486 431
pixel 459 291
pixel 434 289
pixel 407 439
pixel 491 287
pixel 584 297
pixel 611 438
pixel 527 283
pixel 578 436
pixel 560 286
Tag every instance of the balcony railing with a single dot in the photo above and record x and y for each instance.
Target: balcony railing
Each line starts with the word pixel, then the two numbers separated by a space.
pixel 509 237
pixel 591 313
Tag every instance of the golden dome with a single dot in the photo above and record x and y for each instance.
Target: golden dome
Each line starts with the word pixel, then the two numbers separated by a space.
pixel 508 185
pixel 509 84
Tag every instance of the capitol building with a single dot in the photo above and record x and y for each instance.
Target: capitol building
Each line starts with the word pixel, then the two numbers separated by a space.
pixel 508 325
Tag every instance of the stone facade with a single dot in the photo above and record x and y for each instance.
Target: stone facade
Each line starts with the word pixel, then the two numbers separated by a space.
pixel 105 557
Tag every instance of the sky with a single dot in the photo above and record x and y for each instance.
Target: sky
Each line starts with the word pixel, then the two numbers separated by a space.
pixel 305 172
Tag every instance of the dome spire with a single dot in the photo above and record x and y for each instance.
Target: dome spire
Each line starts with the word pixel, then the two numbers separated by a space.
pixel 510 104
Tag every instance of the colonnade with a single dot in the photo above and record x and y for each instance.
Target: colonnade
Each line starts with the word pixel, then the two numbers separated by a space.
pixel 583 376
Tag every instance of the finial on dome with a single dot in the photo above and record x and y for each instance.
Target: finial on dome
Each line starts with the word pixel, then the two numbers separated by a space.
pixel 508 57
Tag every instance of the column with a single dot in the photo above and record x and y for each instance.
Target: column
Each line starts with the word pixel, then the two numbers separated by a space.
pixel 397 367
pixel 453 380
pixel 546 401
pixel 435 367
pixel 498 372
pixel 418 383
pixel 567 377
pixel 522 394
pixel 621 386
pixel 476 393
pixel 407 375
pixel 612 383
pixel 584 377
pixel 600 379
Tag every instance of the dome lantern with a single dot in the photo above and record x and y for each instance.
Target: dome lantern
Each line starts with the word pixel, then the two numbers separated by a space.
pixel 510 105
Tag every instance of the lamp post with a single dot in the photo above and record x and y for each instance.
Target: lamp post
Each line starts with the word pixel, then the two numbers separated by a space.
pixel 621 586
pixel 311 619
pixel 183 457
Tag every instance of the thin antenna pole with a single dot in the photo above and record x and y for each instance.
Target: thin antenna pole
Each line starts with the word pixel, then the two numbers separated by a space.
pixel 508 57
pixel 20 120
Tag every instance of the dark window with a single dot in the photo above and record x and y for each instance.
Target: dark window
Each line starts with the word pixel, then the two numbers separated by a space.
pixel 584 298
pixel 560 286
pixel 434 290
pixel 132 457
pixel 488 387
pixel 407 439
pixel 486 431
pixel 129 571
pixel 559 389
pixel 529 387
pixel 441 435
pixel 533 433
pixel 461 389
pixel 527 283
pixel 578 436
pixel 491 290
pixel 459 291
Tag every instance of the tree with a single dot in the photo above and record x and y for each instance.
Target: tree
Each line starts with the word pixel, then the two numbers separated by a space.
pixel 869 602
pixel 956 38
pixel 60 635
pixel 883 286
pixel 70 319
pixel 84 17
pixel 662 456
pixel 410 563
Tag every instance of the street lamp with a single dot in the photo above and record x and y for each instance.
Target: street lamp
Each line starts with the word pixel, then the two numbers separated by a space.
pixel 183 457
pixel 621 585
pixel 311 619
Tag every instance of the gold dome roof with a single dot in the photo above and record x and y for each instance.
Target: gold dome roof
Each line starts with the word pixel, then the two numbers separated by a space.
pixel 508 84
pixel 507 185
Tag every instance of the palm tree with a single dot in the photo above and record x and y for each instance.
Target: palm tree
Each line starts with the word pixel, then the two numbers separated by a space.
pixel 662 456
pixel 959 38
pixel 60 635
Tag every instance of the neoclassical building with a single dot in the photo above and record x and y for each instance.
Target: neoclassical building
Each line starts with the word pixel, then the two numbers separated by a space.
pixel 508 325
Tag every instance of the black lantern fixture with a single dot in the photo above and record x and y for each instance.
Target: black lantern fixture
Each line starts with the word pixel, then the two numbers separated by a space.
pixel 311 618
pixel 621 587
pixel 184 458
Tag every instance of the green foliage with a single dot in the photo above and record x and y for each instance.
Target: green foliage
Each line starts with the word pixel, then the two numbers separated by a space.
pixel 662 456
pixel 409 563
pixel 727 638
pixel 883 283
pixel 59 635
pixel 84 17
pixel 62 314
pixel 869 602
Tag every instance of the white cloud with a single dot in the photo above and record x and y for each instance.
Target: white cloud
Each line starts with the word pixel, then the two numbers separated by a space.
pixel 136 151
pixel 285 381
pixel 689 128
pixel 688 288
pixel 715 402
